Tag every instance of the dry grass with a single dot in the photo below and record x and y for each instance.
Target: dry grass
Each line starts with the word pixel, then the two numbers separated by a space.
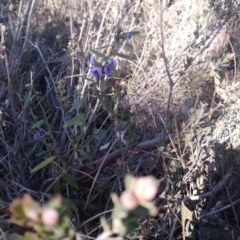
pixel 164 92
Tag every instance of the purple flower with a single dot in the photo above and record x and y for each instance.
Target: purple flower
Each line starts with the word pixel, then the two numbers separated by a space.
pixel 129 36
pixel 96 72
pixel 212 166
pixel 113 62
pixel 36 136
pixel 93 61
pixel 108 69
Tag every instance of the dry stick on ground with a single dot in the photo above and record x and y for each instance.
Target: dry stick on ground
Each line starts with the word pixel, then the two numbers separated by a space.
pixel 235 62
pixel 230 199
pixel 111 158
pixel 96 176
pixel 5 57
pixel 171 83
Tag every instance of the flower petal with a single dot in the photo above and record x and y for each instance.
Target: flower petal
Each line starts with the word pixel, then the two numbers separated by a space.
pixel 36 136
pixel 93 61
pixel 113 62
pixel 96 72
pixel 107 70
pixel 129 36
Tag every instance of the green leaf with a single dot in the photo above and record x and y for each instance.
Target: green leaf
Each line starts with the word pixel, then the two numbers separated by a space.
pixel 218 62
pixel 129 182
pixel 216 81
pixel 38 124
pixel 41 153
pixel 43 164
pixel 77 105
pixel 105 225
pixel 101 55
pixel 105 46
pixel 88 79
pixel 100 97
pixel 225 62
pixel 225 65
pixel 70 180
pixel 124 35
pixel 217 75
pixel 115 71
pixel 124 56
pixel 85 154
pixel 27 100
pixel 15 236
pixel 77 120
pixel 212 73
pixel 102 85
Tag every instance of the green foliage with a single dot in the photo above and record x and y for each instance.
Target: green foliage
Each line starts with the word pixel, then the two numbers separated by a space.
pixel 78 103
pixel 70 180
pixel 76 121
pixel 51 222
pixel 133 203
pixel 221 63
pixel 48 221
pixel 27 99
pixel 43 164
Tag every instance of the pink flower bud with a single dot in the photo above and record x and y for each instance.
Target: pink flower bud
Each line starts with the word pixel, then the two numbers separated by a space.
pixel 143 109
pixel 32 214
pixel 128 200
pixel 119 162
pixel 50 216
pixel 226 228
pixel 125 107
pixel 146 188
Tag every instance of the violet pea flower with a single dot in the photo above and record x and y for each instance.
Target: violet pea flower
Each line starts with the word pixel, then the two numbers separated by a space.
pixel 96 72
pixel 129 36
pixel 36 136
pixel 112 63
pixel 93 61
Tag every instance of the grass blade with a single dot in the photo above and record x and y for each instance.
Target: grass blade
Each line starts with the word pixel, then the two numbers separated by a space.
pixel 78 120
pixel 101 55
pixel 70 181
pixel 27 100
pixel 43 164
pixel 124 56
pixel 78 103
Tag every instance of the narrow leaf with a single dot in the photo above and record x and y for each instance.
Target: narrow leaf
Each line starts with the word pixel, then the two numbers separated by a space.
pixel 41 153
pixel 101 55
pixel 115 71
pixel 70 181
pixel 27 100
pixel 105 46
pixel 218 62
pixel 217 75
pixel 100 97
pixel 123 35
pixel 77 120
pixel 77 105
pixel 86 155
pixel 43 164
pixel 212 73
pixel 224 64
pixel 105 146
pixel 124 56
pixel 88 79
pixel 216 81
pixel 225 61
pixel 38 124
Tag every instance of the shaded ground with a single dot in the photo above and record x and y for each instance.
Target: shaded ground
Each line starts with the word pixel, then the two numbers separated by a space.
pixel 45 52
